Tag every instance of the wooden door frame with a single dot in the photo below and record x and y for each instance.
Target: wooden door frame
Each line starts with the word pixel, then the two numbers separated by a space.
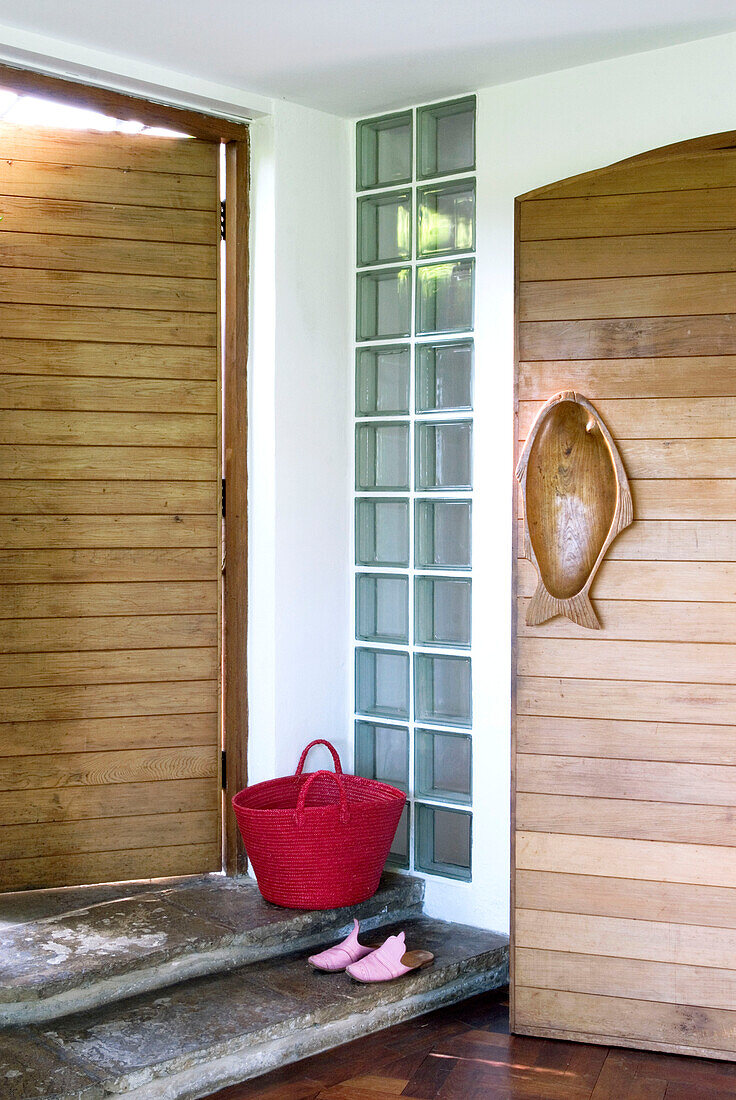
pixel 235 136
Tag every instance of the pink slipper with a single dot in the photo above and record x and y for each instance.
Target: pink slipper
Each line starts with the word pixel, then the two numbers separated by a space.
pixel 342 954
pixel 390 961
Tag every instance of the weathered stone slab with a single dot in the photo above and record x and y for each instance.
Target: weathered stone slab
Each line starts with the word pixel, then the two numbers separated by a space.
pixel 29 1069
pixel 21 906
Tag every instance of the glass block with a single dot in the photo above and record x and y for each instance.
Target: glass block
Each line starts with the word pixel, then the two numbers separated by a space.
pixel 382 456
pixel 384 228
pixel 445 295
pixel 399 854
pixel 382 380
pixel 443 763
pixel 381 532
pixel 442 537
pixel 382 607
pixel 384 304
pixel 443 841
pixel 442 690
pixel 382 752
pixel 446 138
pixel 442 611
pixel 382 683
pixel 446 218
pixel 444 379
pixel 444 454
pixel 384 151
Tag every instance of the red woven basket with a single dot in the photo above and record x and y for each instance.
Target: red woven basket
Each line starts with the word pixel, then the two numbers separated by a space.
pixel 318 841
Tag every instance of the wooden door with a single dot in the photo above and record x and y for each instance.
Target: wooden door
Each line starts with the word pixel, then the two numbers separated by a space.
pixel 109 508
pixel 624 910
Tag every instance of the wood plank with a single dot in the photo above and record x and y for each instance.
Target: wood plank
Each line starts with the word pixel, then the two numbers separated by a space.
pixel 672 540
pixel 697 864
pixel 99 219
pixel 65 532
pixel 628 338
pixel 60 838
pixel 655 941
pixel 676 376
pixel 628 818
pixel 105 394
pixel 128 187
pixel 641 296
pixel 144 152
pixel 107 701
pixel 645 254
pixel 41 601
pixel 617 215
pixel 636 899
pixel 87 359
pixel 110 429
pixel 675 741
pixel 667 172
pixel 100 734
pixel 109 666
pixel 82 288
pixel 85 769
pixel 48 635
pixel 652 580
pixel 140 863
pixel 74 254
pixel 119 799
pixel 135 326
pixel 669 662
pixel 686 499
pixel 610 977
pixel 628 1021
pixel 31 497
pixel 706 704
pixel 654 418
pixel 144 564
pixel 64 462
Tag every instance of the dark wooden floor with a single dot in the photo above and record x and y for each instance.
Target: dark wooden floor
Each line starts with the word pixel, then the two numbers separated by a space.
pixel 466 1053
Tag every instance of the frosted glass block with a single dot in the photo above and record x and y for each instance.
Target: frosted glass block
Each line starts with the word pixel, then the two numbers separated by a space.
pixel 382 752
pixel 445 295
pixel 399 853
pixel 442 611
pixel 382 456
pixel 444 454
pixel 442 536
pixel 382 607
pixel 384 228
pixel 384 304
pixel 382 683
pixel 382 380
pixel 443 763
pixel 381 532
pixel 446 138
pixel 442 690
pixel 443 841
pixel 384 151
pixel 446 218
pixel 444 376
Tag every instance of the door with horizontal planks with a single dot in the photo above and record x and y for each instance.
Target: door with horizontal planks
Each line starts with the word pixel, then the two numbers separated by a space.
pixel 109 508
pixel 624 754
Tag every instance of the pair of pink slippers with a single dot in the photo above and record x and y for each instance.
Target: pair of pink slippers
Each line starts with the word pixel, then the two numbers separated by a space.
pixel 371 964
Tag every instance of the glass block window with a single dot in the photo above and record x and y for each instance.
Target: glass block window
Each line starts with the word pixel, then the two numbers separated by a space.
pixel 414 364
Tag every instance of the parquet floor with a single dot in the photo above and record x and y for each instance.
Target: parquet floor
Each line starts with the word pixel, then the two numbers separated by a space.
pixel 466 1053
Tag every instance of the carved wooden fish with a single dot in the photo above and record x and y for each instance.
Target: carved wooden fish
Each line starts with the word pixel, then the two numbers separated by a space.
pixel 576 501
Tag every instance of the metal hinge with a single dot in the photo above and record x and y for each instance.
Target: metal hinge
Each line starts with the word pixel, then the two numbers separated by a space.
pixel 224 770
pixel 223 216
pixel 223 497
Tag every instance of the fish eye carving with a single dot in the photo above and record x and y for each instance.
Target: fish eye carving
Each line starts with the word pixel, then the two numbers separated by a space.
pixel 576 501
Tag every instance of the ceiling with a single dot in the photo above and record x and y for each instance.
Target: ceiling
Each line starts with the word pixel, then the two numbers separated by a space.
pixel 355 57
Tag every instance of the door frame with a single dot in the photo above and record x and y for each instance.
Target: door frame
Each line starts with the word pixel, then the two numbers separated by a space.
pixel 234 379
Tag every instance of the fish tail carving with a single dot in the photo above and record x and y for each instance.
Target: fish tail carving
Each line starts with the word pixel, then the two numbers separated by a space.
pixel 579 609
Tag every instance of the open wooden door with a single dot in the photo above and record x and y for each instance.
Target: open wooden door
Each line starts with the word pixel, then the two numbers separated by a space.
pixel 624 913
pixel 109 508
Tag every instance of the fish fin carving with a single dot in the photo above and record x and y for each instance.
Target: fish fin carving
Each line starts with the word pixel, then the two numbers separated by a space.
pixel 579 609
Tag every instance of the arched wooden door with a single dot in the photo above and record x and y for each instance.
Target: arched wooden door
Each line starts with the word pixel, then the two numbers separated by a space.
pixel 624 903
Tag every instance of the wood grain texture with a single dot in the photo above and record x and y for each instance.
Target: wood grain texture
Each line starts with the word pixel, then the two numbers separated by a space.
pixel 99 219
pixel 123 186
pixel 68 703
pixel 643 254
pixel 38 601
pixel 71 869
pixel 656 418
pixel 101 734
pixel 85 358
pixel 629 338
pixel 64 462
pixel 673 540
pixel 676 376
pixel 63 532
pixel 135 326
pixel 622 740
pixel 699 704
pixel 82 288
pixel 102 632
pixel 643 296
pixel 143 564
pixel 84 254
pixel 652 580
pixel 28 496
pixel 54 804
pixel 667 662
pixel 108 429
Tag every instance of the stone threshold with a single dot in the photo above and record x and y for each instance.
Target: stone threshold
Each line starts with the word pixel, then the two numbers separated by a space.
pixel 79 958
pixel 189 1040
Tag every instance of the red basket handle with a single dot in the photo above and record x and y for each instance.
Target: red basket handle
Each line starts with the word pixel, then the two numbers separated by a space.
pixel 319 741
pixel 337 776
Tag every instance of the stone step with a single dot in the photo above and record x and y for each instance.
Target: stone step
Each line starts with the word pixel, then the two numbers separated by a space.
pixel 93 954
pixel 202 1035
